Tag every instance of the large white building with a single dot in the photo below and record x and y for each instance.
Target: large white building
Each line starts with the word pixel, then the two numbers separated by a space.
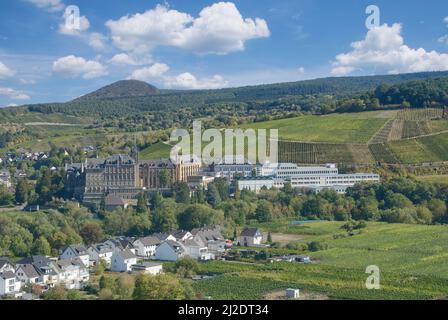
pixel 316 178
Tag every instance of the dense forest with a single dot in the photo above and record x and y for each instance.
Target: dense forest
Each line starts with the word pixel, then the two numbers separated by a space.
pixel 150 109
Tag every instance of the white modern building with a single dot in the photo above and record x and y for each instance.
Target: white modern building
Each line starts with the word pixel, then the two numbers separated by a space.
pixel 316 178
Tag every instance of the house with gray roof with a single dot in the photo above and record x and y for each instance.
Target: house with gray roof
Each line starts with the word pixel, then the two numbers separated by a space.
pixel 122 261
pixel 9 284
pixel 74 251
pixel 146 247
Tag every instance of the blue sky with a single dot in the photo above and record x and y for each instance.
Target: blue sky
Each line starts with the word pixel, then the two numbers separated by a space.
pixel 209 44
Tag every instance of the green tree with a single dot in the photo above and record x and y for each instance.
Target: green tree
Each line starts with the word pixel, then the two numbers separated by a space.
pixel 264 211
pixel 165 178
pixel 181 192
pixel 124 286
pixel 161 287
pixel 92 233
pixel 142 203
pixel 22 191
pixel 41 247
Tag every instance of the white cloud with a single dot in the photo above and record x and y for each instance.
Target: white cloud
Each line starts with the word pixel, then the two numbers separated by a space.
pixel 301 70
pixel 444 39
pixel 97 41
pixel 50 5
pixel 188 81
pixel 5 71
pixel 13 94
pixel 150 73
pixel 219 29
pixel 384 50
pixel 125 59
pixel 27 81
pixel 76 66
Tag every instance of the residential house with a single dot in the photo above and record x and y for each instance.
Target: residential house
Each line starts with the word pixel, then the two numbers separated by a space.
pixel 170 251
pixel 122 261
pixel 73 273
pixel 210 237
pixel 196 251
pixel 164 236
pixel 112 202
pixel 146 247
pixel 250 237
pixel 27 274
pixel 74 251
pixel 6 265
pixel 100 251
pixel 181 235
pixel 121 243
pixel 5 177
pixel 148 268
pixel 9 284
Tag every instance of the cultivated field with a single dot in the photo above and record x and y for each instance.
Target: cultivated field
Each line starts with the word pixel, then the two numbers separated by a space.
pixel 412 261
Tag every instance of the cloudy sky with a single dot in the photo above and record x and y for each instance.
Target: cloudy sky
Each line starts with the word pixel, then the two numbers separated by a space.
pixel 206 44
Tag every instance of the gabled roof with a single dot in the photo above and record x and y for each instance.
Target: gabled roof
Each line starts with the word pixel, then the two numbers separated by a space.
pixel 250 232
pixel 176 246
pixel 161 236
pixel 113 200
pixel 179 234
pixel 150 241
pixel 102 248
pixel 29 270
pixel 126 254
pixel 208 234
pixel 7 275
pixel 4 261
pixel 38 261
pixel 79 250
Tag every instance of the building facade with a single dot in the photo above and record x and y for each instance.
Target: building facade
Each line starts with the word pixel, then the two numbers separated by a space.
pixel 315 178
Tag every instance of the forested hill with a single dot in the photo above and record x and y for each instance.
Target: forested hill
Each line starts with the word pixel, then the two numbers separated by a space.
pixel 123 99
pixel 121 89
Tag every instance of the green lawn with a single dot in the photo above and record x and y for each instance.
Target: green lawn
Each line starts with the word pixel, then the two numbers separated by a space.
pixel 157 151
pixel 412 261
pixel 434 179
pixel 337 128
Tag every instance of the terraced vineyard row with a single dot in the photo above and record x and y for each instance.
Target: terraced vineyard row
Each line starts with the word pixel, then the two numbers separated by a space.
pixel 383 134
pixel 415 128
pixel 420 114
pixel 382 153
pixel 297 152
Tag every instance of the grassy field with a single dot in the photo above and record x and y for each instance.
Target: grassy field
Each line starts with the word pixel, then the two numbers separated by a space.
pixel 156 151
pixel 337 128
pixel 434 179
pixel 412 261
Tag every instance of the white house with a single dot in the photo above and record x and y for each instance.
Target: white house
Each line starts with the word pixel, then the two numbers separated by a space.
pixel 99 252
pixel 27 274
pixel 9 284
pixel 148 268
pixel 250 237
pixel 121 243
pixel 170 251
pixel 210 238
pixel 181 235
pixel 6 265
pixel 73 273
pixel 74 251
pixel 197 251
pixel 146 247
pixel 5 178
pixel 122 261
